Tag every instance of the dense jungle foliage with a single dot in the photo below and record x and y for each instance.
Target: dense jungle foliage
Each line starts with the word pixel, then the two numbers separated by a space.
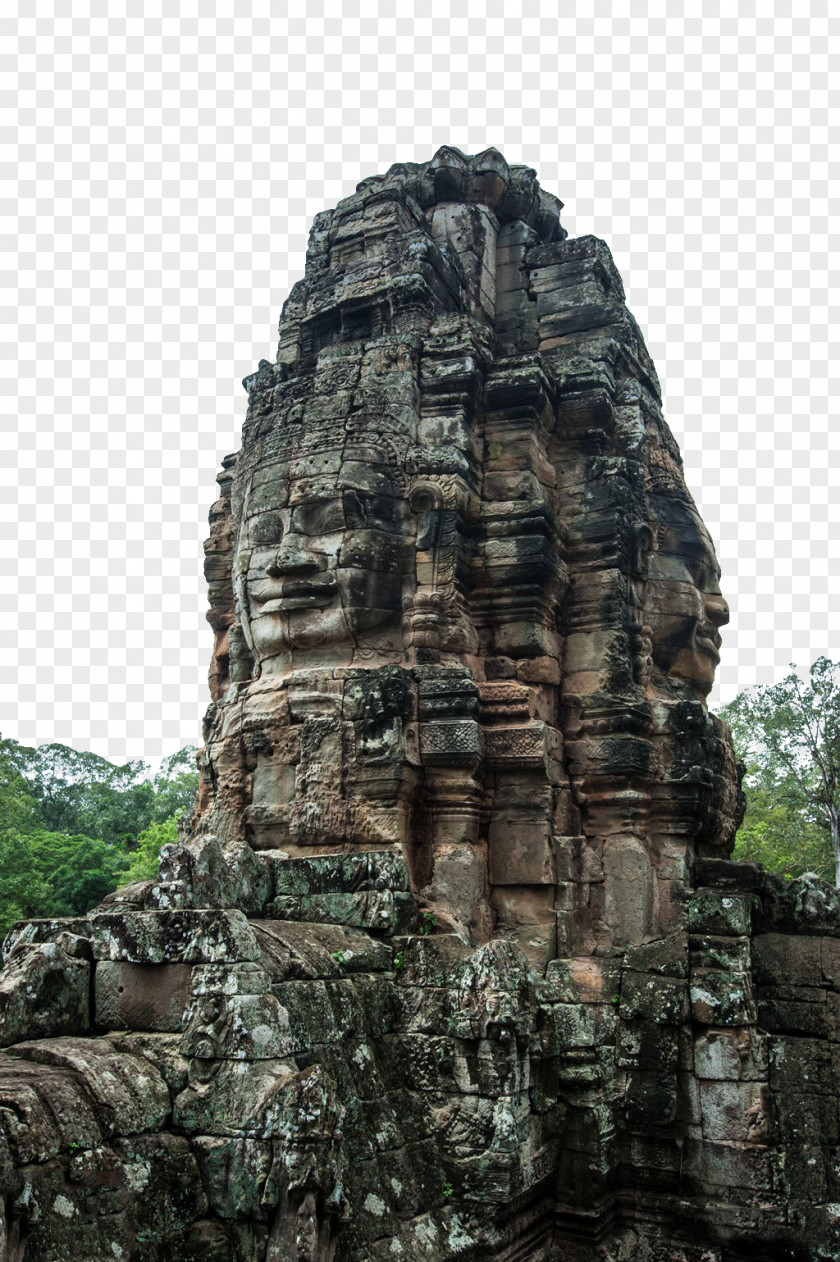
pixel 788 737
pixel 74 827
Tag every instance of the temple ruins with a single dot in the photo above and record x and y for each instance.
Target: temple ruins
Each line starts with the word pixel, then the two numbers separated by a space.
pixel 451 962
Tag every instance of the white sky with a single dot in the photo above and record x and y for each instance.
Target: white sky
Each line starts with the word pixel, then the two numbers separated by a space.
pixel 164 171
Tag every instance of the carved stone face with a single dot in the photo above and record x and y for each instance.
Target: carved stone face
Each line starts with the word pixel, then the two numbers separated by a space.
pixel 325 571
pixel 684 606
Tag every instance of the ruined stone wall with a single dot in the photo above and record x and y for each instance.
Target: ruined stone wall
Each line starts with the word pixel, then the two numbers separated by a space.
pixel 452 964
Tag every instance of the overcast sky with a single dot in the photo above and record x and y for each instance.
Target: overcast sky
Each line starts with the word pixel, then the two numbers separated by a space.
pixel 165 172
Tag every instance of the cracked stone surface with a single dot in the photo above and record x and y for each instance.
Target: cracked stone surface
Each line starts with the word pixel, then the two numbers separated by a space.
pixel 452 963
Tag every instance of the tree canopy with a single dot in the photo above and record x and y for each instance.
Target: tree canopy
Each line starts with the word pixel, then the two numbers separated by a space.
pixel 788 736
pixel 74 827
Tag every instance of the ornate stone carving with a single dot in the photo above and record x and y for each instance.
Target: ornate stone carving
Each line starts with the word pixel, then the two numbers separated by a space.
pixel 451 964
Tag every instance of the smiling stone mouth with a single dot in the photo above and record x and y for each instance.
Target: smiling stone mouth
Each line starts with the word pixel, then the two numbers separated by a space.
pixel 295 594
pixel 708 641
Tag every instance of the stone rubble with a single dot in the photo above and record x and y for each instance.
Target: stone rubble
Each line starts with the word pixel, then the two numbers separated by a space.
pixel 452 963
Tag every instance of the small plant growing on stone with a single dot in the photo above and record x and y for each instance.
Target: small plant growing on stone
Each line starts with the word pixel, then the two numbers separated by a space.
pixel 398 960
pixel 428 920
pixel 616 1000
pixel 447 1191
pixel 338 956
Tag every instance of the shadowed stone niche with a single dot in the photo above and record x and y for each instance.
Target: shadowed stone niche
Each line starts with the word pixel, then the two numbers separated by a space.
pixel 451 963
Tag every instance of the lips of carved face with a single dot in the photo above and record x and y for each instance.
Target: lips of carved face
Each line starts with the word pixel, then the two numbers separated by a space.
pixel 683 603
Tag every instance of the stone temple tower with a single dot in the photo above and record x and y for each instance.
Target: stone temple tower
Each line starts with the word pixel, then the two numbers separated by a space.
pixel 451 963
pixel 463 602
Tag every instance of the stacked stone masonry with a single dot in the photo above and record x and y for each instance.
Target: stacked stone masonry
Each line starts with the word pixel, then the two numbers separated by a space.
pixel 451 963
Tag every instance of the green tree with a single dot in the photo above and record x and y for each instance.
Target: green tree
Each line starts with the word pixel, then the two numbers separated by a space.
pixel 780 836
pixel 144 860
pixel 176 785
pixel 24 892
pixel 19 807
pixel 79 870
pixel 788 735
pixel 81 792
pixel 74 826
pixel 76 792
pixel 55 874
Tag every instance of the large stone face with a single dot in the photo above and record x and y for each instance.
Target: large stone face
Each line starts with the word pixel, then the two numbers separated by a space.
pixel 473 613
pixel 451 964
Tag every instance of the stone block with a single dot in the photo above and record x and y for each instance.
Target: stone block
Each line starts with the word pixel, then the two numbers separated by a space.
pixel 628 889
pixel 521 851
pixel 291 950
pixel 647 1045
pixel 29 931
pixel 737 1112
pixel 668 956
pixel 369 909
pixel 538 670
pixel 228 979
pixel 731 955
pixel 726 915
pixel 233 1170
pixel 731 1055
pixel 162 1168
pixel 830 960
pixel 500 667
pixel 790 1016
pixel 721 1166
pixel 804 1117
pixel 44 992
pixel 782 959
pixel 239 1027
pixel 524 904
pixel 663 1000
pixel 450 742
pixel 564 1027
pixel 151 997
pixel 239 1099
pixel 719 998
pixel 517 747
pixel 179 936
pixel 800 1065
pixel 161 1050
pixel 808 1174
pixel 340 873
pixel 459 883
pixel 311 1019
pixel 650 1098
pixel 437 960
pixel 584 979
pixel 127 1093
pixel 538 943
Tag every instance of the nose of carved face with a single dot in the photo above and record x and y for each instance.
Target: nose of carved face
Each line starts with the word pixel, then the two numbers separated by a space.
pixel 707 634
pixel 717 610
pixel 292 558
pixel 698 661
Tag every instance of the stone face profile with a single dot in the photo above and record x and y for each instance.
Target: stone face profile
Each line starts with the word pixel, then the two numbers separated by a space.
pixel 451 962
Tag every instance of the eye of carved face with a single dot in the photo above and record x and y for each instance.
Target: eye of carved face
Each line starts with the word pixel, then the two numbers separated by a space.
pixel 365 511
pixel 267 529
pixel 318 517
